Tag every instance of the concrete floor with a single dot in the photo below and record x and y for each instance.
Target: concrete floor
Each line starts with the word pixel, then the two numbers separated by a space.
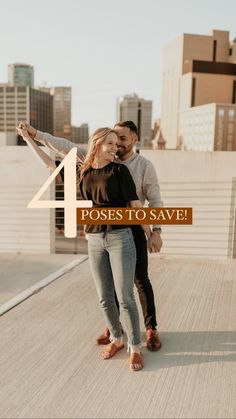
pixel 50 366
pixel 19 271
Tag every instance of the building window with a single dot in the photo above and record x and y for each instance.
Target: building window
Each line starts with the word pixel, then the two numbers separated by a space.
pixel 10 89
pixel 220 130
pixel 230 128
pixel 234 92
pixel 231 114
pixel 193 92
pixel 221 113
pixel 229 143
pixel 21 89
pixel 214 50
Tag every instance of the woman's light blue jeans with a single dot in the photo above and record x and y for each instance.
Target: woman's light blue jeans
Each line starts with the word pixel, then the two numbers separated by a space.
pixel 112 257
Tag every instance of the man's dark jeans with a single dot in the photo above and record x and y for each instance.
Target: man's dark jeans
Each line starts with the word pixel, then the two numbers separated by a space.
pixel 141 280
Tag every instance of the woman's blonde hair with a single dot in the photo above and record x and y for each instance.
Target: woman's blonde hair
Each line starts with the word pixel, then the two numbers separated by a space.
pixel 96 140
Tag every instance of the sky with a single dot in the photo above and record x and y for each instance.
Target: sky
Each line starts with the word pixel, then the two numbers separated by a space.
pixel 103 49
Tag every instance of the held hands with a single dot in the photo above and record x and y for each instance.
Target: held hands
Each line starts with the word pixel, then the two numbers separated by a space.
pixel 24 128
pixel 154 242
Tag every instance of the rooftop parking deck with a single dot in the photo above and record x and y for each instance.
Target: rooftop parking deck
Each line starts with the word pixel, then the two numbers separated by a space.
pixel 50 366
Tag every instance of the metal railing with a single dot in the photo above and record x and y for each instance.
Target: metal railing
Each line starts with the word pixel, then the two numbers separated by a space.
pixel 62 244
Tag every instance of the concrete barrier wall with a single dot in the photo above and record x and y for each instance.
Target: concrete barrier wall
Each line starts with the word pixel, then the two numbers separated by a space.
pixel 203 181
pixel 23 229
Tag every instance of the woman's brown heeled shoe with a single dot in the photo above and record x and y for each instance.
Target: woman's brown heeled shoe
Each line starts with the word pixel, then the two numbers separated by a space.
pixel 136 361
pixel 110 350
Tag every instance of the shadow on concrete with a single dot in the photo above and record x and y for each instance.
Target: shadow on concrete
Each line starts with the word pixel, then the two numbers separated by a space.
pixel 189 348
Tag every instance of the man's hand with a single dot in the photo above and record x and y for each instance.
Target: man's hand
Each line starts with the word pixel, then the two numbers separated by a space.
pixel 30 130
pixel 155 242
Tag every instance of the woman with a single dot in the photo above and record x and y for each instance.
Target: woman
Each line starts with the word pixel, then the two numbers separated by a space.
pixel 111 248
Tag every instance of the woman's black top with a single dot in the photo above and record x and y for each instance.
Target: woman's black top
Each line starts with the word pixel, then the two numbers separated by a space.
pixel 110 186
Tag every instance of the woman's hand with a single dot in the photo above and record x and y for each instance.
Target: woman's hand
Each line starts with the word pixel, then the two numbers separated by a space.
pixel 22 131
pixel 31 131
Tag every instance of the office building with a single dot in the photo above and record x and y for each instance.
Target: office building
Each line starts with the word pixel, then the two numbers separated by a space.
pixel 21 103
pixel 138 110
pixel 61 110
pixel 80 134
pixel 199 92
pixel 21 75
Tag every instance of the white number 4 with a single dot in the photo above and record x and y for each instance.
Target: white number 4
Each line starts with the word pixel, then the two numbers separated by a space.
pixel 70 202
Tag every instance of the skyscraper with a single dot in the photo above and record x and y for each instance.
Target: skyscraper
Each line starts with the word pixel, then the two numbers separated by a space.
pixel 21 75
pixel 61 110
pixel 138 110
pixel 80 134
pixel 199 92
pixel 21 103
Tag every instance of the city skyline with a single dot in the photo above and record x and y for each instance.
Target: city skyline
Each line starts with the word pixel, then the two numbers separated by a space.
pixel 103 50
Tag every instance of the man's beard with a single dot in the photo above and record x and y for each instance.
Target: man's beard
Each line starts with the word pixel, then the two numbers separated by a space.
pixel 120 152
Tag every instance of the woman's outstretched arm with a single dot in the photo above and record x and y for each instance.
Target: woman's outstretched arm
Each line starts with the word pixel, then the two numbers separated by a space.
pixel 62 146
pixel 39 153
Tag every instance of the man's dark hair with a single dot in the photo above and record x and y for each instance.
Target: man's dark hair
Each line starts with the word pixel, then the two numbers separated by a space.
pixel 129 124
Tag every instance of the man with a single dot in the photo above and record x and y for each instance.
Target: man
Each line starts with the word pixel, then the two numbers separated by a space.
pixel 147 186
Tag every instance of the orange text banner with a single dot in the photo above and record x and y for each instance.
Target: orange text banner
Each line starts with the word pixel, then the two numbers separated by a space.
pixel 134 215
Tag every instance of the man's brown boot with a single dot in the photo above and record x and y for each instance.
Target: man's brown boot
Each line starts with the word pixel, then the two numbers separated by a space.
pixel 104 338
pixel 152 340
